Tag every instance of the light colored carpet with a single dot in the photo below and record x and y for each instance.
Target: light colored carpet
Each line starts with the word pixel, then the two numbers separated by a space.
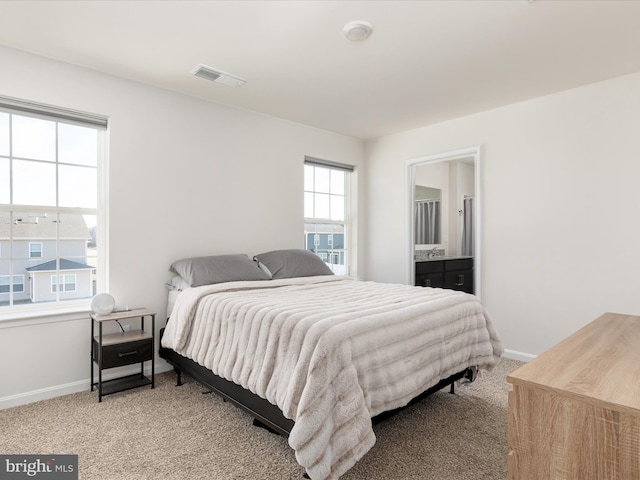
pixel 180 433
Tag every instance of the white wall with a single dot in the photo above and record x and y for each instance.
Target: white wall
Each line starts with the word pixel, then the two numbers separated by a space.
pixel 560 220
pixel 186 178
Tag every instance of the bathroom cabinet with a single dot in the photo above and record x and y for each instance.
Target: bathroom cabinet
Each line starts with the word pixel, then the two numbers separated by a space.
pixel 455 273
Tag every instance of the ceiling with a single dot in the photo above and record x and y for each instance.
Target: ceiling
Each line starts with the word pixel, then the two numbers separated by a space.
pixel 426 61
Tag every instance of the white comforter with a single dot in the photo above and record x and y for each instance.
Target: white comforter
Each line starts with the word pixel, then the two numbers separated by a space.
pixel 331 352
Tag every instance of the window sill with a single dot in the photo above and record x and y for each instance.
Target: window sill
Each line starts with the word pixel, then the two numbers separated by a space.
pixel 35 316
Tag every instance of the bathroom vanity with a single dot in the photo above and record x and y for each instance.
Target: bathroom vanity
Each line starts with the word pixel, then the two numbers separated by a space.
pixel 454 272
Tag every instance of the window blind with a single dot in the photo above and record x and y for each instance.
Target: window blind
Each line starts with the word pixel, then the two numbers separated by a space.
pixel 328 163
pixel 16 105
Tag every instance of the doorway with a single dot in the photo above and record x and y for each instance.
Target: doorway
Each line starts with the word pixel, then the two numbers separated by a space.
pixel 459 230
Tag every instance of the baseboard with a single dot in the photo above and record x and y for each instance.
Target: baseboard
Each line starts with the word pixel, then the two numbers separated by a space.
pixel 515 355
pixel 69 388
pixel 83 385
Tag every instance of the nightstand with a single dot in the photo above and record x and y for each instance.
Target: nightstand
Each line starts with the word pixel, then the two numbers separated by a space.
pixel 120 349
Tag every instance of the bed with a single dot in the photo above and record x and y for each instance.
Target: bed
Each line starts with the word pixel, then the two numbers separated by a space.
pixel 315 356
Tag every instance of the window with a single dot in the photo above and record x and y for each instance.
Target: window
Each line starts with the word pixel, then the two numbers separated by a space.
pixel 51 212
pixel 18 283
pixel 67 283
pixel 326 212
pixel 35 250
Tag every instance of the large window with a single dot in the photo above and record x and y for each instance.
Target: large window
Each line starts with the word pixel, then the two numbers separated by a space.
pixel 326 212
pixel 51 212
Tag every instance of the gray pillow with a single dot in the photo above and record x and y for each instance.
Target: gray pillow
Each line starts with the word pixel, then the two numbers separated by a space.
pixel 199 271
pixel 292 263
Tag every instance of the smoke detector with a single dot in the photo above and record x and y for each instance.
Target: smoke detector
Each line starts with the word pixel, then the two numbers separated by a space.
pixel 358 30
pixel 218 76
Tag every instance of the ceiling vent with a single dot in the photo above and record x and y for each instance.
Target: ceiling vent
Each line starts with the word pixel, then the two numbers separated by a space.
pixel 218 76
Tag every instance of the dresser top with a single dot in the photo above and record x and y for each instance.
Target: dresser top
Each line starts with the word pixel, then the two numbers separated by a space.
pixel 600 363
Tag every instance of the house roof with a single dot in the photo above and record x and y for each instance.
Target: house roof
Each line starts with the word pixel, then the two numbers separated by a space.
pixel 27 226
pixel 64 265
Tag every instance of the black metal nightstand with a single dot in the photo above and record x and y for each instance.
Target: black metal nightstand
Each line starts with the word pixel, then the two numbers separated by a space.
pixel 119 349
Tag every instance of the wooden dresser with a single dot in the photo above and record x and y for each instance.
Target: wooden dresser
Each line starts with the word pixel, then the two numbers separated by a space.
pixel 574 411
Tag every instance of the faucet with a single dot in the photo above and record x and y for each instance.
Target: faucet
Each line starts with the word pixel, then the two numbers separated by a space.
pixel 433 252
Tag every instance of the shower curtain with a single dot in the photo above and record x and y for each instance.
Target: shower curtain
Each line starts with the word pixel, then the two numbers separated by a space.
pixel 468 229
pixel 427 222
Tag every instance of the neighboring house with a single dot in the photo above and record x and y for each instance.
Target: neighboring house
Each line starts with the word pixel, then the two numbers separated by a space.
pixel 330 248
pixel 74 280
pixel 32 244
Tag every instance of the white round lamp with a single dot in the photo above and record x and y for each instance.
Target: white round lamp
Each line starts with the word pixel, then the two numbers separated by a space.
pixel 103 304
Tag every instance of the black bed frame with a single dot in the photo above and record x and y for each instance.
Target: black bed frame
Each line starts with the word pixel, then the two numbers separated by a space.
pixel 264 413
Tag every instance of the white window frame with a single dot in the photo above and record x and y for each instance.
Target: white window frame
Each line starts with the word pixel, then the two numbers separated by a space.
pixel 31 251
pixel 347 223
pixel 12 285
pixel 55 282
pixel 52 311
